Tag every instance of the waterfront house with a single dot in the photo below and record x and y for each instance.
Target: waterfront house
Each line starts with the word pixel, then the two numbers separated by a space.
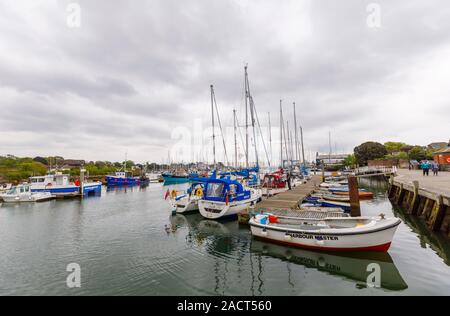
pixel 442 157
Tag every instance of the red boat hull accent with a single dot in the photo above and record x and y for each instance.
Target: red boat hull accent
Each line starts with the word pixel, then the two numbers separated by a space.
pixel 378 248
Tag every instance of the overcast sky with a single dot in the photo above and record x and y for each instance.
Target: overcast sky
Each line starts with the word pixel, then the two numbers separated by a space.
pixel 135 76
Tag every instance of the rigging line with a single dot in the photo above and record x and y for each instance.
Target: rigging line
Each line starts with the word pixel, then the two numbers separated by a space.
pixel 260 131
pixel 221 130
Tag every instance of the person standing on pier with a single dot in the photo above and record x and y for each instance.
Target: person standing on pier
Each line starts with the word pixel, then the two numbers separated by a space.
pixel 435 168
pixel 425 167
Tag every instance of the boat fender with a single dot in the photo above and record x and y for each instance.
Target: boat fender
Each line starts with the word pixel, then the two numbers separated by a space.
pixel 264 232
pixel 174 194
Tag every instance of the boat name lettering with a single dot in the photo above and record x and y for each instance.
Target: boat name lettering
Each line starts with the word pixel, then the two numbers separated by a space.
pixel 316 237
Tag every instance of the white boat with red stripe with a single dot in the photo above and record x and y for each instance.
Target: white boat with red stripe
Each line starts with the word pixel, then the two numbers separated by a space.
pixel 329 234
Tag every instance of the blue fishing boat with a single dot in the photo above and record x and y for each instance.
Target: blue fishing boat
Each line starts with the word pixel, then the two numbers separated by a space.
pixel 178 178
pixel 121 178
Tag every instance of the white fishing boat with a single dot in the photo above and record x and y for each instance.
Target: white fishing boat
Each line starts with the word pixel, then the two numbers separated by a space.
pixel 225 197
pixel 23 193
pixel 60 184
pixel 154 177
pixel 329 234
pixel 5 187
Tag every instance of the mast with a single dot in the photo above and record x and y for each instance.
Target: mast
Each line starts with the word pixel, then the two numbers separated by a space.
pixel 252 115
pixel 270 138
pixel 303 148
pixel 125 163
pixel 285 143
pixel 235 141
pixel 288 143
pixel 246 117
pixel 213 133
pixel 281 133
pixel 297 153
pixel 329 141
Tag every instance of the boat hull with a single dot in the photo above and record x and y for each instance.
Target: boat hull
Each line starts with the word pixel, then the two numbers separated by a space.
pixel 88 189
pixel 35 197
pixel 118 181
pixel 169 180
pixel 186 205
pixel 376 240
pixel 216 210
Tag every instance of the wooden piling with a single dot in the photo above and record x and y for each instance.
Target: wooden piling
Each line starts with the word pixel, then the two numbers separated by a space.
pixel 391 187
pixel 354 196
pixel 323 173
pixel 437 214
pixel 400 195
pixel 415 200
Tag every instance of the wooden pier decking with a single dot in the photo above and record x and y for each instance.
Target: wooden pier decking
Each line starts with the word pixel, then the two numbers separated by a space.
pixel 289 200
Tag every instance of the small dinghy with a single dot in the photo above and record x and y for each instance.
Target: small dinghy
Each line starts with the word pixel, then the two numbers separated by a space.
pixel 329 234
pixel 362 194
pixel 342 205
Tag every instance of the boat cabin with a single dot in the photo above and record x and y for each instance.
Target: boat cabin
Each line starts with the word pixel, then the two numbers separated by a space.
pixel 274 180
pixel 49 180
pixel 19 189
pixel 220 190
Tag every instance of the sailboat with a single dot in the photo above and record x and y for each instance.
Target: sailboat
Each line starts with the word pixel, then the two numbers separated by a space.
pixel 226 197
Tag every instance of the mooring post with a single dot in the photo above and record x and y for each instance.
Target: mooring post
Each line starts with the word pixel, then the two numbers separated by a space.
pixel 416 199
pixel 82 171
pixel 354 196
pixel 323 173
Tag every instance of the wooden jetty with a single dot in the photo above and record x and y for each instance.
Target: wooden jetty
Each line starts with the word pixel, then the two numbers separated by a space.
pixel 291 199
pixel 427 197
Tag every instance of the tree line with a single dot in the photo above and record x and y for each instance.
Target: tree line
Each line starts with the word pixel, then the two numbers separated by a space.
pixel 388 151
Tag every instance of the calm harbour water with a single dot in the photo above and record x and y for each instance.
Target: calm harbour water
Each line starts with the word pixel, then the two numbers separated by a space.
pixel 120 243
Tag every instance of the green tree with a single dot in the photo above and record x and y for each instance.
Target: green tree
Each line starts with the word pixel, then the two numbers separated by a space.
pixel 418 153
pixel 350 161
pixel 369 151
pixel 393 147
pixel 42 160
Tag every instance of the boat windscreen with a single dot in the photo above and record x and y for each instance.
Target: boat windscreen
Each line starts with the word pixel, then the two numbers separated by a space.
pixel 215 190
pixel 12 191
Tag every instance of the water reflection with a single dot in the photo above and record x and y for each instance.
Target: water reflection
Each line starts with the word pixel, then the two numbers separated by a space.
pixel 232 241
pixel 438 242
pixel 352 266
